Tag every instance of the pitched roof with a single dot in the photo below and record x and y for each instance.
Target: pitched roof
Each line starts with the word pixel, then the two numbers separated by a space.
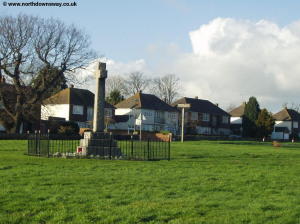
pixel 287 115
pixel 239 111
pixel 145 101
pixel 202 106
pixel 74 96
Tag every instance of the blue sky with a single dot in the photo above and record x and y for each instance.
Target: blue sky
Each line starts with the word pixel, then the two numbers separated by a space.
pixel 222 50
pixel 123 30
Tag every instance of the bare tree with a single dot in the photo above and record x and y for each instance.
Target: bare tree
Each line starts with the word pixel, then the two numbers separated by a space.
pixel 292 105
pixel 135 82
pixel 115 82
pixel 230 107
pixel 167 87
pixel 37 57
pixel 284 105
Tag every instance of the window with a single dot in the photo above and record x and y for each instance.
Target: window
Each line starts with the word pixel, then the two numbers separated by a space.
pixel 77 109
pixel 172 115
pixel 224 119
pixel 90 113
pixel 158 114
pixel 205 117
pixel 194 116
pixel 147 113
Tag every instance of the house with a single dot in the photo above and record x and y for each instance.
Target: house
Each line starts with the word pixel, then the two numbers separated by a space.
pixel 73 104
pixel 236 119
pixel 147 113
pixel 204 117
pixel 286 124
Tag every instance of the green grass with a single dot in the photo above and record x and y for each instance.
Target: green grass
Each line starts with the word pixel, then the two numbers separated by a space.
pixel 205 182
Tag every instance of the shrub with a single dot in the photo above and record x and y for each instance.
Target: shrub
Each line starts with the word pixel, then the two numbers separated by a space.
pixel 68 128
pixel 164 132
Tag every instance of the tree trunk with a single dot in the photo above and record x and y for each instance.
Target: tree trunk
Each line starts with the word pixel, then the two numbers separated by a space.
pixel 15 129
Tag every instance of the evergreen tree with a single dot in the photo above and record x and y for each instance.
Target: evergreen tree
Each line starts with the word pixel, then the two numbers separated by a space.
pixel 114 97
pixel 250 116
pixel 264 123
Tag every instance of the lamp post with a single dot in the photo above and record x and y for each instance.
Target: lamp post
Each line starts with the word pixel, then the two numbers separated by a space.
pixel 183 106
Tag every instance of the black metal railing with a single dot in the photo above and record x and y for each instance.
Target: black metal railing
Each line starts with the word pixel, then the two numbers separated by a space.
pixel 51 144
pixel 112 147
pixel 144 150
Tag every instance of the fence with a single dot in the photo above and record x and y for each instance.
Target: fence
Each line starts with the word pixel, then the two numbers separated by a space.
pixel 131 148
pixel 149 149
pixel 52 144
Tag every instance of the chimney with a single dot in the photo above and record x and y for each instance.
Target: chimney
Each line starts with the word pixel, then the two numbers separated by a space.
pixel 71 86
pixel 140 91
pixel 196 97
pixel 2 80
pixel 217 104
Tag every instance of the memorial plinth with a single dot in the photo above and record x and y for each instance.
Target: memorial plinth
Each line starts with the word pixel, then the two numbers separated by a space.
pixel 99 143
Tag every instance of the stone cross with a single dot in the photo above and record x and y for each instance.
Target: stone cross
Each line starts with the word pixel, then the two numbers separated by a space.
pixel 99 101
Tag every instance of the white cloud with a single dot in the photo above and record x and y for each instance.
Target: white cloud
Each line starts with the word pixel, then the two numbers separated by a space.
pixel 113 68
pixel 231 61
pixel 235 59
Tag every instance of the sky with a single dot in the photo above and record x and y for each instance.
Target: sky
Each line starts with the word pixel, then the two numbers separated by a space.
pixel 223 51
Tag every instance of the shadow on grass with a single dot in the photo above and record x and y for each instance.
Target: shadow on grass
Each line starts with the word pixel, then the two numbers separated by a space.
pixel 6 168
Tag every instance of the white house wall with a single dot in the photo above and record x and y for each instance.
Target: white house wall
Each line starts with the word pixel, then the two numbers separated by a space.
pixel 295 124
pixel 171 119
pixel 280 135
pixel 55 110
pixel 148 119
pixel 148 116
pixel 123 111
pixel 285 124
pixel 236 120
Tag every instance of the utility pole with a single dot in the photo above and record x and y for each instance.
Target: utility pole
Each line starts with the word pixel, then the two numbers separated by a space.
pixel 182 118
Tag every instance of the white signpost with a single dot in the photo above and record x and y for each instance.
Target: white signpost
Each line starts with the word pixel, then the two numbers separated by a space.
pixel 182 118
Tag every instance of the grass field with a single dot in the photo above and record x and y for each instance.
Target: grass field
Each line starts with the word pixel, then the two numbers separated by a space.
pixel 205 182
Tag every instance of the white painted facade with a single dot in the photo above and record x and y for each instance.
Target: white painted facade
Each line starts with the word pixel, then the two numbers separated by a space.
pixel 55 110
pixel 151 120
pixel 236 120
pixel 280 135
pixel 284 124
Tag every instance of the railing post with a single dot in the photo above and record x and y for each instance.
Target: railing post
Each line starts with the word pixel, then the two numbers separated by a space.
pixel 39 141
pixel 48 143
pixel 110 145
pixel 28 143
pixel 148 148
pixel 131 146
pixel 169 148
pixel 35 142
